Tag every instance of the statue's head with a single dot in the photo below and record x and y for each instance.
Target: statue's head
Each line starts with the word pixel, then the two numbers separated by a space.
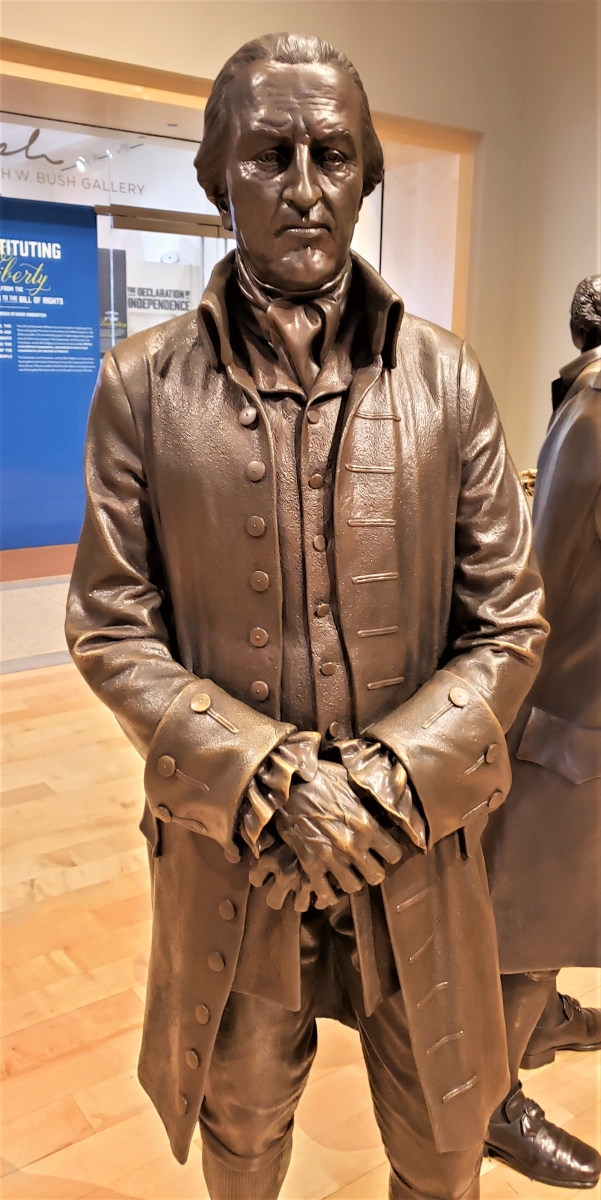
pixel 288 153
pixel 585 314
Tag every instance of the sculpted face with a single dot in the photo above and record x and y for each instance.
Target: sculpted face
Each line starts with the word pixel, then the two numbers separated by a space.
pixel 294 171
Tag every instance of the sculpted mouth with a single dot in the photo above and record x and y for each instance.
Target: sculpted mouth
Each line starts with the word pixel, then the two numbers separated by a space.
pixel 302 229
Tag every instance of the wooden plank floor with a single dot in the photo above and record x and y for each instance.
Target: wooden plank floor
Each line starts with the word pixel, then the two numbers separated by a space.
pixel 76 915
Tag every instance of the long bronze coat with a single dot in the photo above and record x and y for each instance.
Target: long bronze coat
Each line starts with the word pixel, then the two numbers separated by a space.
pixel 543 848
pixel 161 607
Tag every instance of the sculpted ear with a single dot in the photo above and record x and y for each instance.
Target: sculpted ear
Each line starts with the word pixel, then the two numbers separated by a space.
pixel 223 205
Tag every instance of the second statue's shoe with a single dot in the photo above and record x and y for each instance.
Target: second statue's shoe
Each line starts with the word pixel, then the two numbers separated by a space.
pixel 581 1030
pixel 524 1139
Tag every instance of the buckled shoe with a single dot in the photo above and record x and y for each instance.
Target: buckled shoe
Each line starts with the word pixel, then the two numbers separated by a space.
pixel 532 1145
pixel 581 1030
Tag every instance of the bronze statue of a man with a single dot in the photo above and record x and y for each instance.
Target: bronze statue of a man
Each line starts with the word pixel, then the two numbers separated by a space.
pixel 544 849
pixel 303 587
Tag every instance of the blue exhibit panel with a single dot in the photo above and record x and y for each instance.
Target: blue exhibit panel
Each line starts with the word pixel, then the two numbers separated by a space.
pixel 49 359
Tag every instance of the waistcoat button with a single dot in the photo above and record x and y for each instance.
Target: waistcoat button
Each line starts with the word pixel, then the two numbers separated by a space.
pixel 328 668
pixel 319 542
pixel 259 581
pixel 248 415
pixel 322 610
pixel 316 480
pixel 166 766
pixel 192 1059
pixel 181 1105
pixel 313 416
pixel 215 961
pixel 259 690
pixel 258 636
pixel 227 910
pixel 202 1014
pixel 334 729
pixel 255 471
pixel 255 526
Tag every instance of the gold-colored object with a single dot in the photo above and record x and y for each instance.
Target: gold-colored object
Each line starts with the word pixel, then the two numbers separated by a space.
pixel 528 480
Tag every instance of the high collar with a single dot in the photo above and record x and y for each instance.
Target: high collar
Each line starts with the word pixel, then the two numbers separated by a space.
pixel 573 369
pixel 382 315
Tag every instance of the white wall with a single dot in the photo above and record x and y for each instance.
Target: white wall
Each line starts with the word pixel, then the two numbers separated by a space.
pixel 420 229
pixel 523 72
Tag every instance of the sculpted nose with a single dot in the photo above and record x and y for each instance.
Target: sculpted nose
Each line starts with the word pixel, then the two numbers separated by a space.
pixel 302 188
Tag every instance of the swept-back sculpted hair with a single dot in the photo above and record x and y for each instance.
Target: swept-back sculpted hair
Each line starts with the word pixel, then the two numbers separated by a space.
pixel 294 48
pixel 586 310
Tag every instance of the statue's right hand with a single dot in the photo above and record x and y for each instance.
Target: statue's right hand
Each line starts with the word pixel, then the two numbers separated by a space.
pixel 331 832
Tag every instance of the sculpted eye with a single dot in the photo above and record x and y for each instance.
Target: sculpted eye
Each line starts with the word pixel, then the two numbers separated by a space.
pixel 332 158
pixel 270 158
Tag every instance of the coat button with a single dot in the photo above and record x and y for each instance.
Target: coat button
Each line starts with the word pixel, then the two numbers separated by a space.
pixel 259 581
pixel 492 752
pixel 255 471
pixel 313 416
pixel 181 1106
pixel 459 697
pixel 248 415
pixel 258 636
pixel 163 814
pixel 335 729
pixel 201 702
pixel 166 766
pixel 322 610
pixel 259 690
pixel 215 961
pixel 202 1014
pixel 192 1060
pixel 316 480
pixel 255 526
pixel 319 542
pixel 328 668
pixel 227 910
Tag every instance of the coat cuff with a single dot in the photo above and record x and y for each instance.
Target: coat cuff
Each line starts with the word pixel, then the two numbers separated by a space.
pixel 373 769
pixel 202 758
pixel 453 749
pixel 270 789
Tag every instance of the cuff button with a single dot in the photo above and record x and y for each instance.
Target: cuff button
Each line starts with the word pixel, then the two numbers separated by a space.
pixel 163 814
pixel 166 766
pixel 492 752
pixel 459 697
pixel 201 702
pixel 259 690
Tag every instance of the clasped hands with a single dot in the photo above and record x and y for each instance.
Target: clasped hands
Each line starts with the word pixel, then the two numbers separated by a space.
pixel 325 830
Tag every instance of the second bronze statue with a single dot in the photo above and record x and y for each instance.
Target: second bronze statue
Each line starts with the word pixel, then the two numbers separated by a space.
pixel 304 588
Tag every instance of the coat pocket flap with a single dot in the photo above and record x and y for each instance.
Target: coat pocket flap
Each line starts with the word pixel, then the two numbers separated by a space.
pixel 573 751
